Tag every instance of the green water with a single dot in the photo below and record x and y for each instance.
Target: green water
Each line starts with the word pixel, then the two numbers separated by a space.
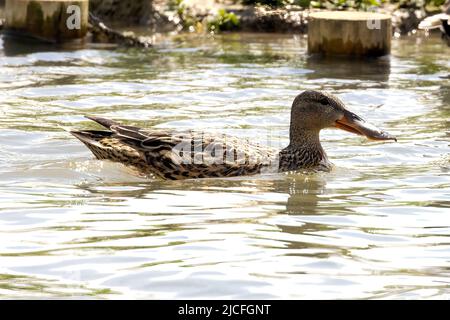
pixel 377 226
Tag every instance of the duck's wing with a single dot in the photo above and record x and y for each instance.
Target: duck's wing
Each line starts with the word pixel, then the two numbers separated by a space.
pixel 172 154
pixel 191 154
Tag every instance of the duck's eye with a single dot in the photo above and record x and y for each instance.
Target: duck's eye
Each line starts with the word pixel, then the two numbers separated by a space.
pixel 324 101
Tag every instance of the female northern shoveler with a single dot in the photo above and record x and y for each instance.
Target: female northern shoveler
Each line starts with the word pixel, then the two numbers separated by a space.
pixel 181 155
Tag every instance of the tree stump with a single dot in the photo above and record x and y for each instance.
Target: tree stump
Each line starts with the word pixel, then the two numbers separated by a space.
pixel 349 33
pixel 48 20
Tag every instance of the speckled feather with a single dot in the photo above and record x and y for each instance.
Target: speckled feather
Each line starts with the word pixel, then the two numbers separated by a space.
pixel 152 151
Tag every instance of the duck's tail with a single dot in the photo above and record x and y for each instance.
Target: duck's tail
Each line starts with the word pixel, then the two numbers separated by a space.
pixel 91 139
pixel 91 136
pixel 107 123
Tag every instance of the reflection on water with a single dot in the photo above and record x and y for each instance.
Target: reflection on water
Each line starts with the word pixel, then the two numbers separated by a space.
pixel 374 70
pixel 375 227
pixel 14 45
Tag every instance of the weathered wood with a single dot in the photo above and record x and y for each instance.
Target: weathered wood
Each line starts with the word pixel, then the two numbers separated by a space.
pixel 49 20
pixel 349 33
pixel 104 34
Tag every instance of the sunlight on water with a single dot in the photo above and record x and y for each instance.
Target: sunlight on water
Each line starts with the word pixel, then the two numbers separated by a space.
pixel 375 227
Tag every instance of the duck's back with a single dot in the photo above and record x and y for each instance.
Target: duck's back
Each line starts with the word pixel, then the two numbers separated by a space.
pixel 176 155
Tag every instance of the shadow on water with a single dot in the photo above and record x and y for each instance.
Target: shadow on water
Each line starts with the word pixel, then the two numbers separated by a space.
pixel 27 286
pixel 303 199
pixel 372 69
pixel 14 45
pixel 304 194
pixel 444 92
pixel 303 190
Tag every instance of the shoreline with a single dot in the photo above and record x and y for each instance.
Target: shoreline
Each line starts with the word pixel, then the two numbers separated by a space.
pixel 194 16
pixel 159 18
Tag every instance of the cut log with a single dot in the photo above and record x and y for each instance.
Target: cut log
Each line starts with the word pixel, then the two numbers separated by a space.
pixel 349 33
pixel 48 20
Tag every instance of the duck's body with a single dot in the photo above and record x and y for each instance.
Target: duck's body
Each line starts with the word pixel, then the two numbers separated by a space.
pixel 176 155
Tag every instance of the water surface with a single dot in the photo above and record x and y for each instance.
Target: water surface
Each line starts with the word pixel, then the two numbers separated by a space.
pixel 378 226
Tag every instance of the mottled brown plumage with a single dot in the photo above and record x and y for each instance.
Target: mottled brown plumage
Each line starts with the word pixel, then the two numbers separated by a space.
pixel 170 154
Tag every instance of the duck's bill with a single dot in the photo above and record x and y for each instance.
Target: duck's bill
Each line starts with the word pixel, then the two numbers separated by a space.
pixel 352 123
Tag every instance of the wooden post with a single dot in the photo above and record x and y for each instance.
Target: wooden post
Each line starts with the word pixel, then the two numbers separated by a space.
pixel 48 20
pixel 349 33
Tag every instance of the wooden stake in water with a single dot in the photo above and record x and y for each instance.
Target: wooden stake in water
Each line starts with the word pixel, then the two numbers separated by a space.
pixel 48 20
pixel 349 33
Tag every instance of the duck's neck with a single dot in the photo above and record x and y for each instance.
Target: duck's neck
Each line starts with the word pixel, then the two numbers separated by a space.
pixel 303 151
pixel 301 138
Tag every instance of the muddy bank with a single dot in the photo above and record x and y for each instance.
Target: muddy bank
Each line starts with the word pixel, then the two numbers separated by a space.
pixel 294 19
pixel 122 12
pixel 163 16
pixel 262 19
pixel 168 16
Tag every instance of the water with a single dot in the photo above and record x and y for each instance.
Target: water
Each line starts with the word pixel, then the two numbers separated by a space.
pixel 378 226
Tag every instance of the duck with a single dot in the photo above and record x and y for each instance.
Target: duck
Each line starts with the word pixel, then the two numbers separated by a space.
pixel 175 155
pixel 441 21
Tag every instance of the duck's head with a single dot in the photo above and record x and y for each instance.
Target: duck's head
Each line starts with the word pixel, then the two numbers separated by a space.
pixel 315 110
